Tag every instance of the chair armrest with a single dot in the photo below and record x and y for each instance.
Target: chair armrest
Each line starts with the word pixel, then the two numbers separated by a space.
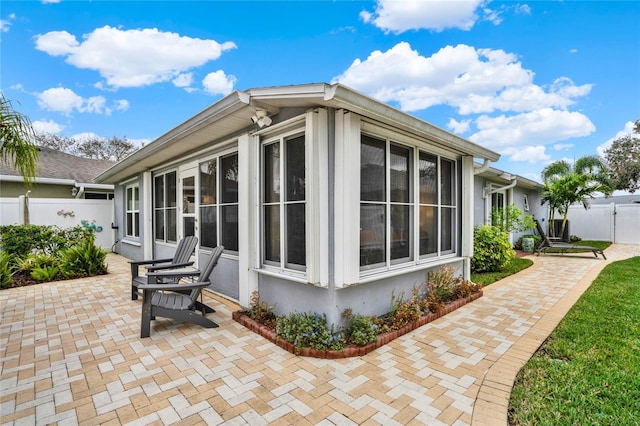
pixel 191 286
pixel 149 262
pixel 174 273
pixel 168 266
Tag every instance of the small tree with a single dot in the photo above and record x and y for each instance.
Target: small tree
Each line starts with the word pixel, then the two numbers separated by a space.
pixel 565 185
pixel 512 219
pixel 113 149
pixel 18 148
pixel 623 158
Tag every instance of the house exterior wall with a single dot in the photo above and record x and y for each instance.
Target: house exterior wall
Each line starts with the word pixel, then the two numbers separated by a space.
pixel 333 279
pixel 38 190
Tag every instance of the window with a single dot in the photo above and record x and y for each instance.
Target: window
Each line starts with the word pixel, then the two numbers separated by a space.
pixel 132 211
pixel 219 199
pixel 284 203
pixel 391 231
pixel 165 207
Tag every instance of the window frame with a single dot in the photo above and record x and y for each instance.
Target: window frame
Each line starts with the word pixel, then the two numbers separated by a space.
pixel 134 212
pixel 416 147
pixel 218 204
pixel 283 266
pixel 165 209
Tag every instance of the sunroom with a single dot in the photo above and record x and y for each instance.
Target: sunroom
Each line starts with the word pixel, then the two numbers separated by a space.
pixel 324 198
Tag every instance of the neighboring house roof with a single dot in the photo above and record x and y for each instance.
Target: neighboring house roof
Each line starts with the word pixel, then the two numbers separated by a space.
pixel 57 167
pixel 232 115
pixel 618 199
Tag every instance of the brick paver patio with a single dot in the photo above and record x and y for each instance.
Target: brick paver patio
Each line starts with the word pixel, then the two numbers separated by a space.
pixel 70 353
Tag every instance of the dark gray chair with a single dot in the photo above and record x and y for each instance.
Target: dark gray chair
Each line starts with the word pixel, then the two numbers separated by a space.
pixel 180 259
pixel 545 244
pixel 177 301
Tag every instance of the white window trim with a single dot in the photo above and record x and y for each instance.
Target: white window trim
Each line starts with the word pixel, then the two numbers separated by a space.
pixel 349 128
pixel 136 190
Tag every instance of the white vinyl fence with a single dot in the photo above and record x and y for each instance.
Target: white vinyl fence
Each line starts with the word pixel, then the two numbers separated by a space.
pixel 619 223
pixel 62 212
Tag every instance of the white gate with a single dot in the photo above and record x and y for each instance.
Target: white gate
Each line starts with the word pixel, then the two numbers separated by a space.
pixel 619 223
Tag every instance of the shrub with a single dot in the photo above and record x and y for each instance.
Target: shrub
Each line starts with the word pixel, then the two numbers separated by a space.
pixel 21 240
pixel 6 271
pixel 491 249
pixel 34 261
pixel 309 330
pixel 45 273
pixel 361 329
pixel 84 259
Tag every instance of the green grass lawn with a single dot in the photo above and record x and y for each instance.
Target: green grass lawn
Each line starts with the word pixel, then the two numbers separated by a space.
pixel 588 370
pixel 516 265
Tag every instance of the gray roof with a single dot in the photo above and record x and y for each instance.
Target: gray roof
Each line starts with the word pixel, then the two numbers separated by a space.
pixel 231 115
pixel 54 164
pixel 618 199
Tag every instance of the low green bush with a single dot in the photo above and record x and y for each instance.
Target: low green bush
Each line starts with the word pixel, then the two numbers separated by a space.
pixel 361 329
pixel 83 259
pixel 306 330
pixel 19 241
pixel 6 270
pixel 491 249
pixel 45 273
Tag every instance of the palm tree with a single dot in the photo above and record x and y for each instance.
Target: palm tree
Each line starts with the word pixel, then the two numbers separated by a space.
pixel 18 147
pixel 565 185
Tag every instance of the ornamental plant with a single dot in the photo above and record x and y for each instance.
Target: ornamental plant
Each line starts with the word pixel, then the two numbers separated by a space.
pixel 306 330
pixel 491 249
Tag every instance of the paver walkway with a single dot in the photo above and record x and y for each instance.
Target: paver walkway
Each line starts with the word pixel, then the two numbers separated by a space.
pixel 70 353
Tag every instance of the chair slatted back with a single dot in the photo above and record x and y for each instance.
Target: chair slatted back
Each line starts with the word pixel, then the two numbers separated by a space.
pixel 545 239
pixel 185 249
pixel 206 272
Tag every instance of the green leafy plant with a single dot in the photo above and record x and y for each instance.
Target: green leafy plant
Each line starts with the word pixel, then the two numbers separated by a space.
pixel 34 261
pixel 45 273
pixel 84 259
pixel 491 249
pixel 306 330
pixel 22 240
pixel 361 329
pixel 6 271
pixel 536 240
pixel 512 219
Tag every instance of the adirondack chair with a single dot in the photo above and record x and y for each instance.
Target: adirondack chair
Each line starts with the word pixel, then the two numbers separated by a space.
pixel 546 244
pixel 177 301
pixel 180 259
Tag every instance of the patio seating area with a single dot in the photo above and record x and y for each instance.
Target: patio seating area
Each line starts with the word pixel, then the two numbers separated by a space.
pixel 71 353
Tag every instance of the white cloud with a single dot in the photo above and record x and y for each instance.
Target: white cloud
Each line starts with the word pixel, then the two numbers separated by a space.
pixel 183 80
pixel 6 23
pixel 573 50
pixel 471 80
pixel 132 58
pixel 459 127
pixel 218 83
pixel 532 154
pixel 436 15
pixel 563 146
pixel 627 130
pixel 539 127
pixel 66 101
pixel 50 126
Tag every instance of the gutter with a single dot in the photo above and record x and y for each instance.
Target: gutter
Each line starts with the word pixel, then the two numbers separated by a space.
pixel 514 182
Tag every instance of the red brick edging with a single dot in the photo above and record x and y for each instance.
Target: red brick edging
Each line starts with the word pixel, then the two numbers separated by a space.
pixel 349 350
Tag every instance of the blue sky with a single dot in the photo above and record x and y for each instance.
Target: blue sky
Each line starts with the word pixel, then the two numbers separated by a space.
pixel 536 81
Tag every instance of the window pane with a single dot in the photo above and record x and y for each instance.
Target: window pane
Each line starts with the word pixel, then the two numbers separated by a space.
pixel 229 175
pixel 372 169
pixel 372 234
pixel 208 227
pixel 447 182
pixel 189 226
pixel 189 195
pixel 400 231
pixel 172 189
pixel 130 224
pixel 295 170
pixel 129 198
pixel 428 178
pixel 158 187
pixel 399 160
pixel 159 224
pixel 272 173
pixel 172 221
pixel 136 222
pixel 272 233
pixel 229 223
pixel 296 240
pixel 447 229
pixel 428 230
pixel 208 182
pixel 136 199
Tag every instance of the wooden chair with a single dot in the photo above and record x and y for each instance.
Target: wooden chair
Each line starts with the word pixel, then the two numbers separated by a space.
pixel 546 244
pixel 177 301
pixel 180 259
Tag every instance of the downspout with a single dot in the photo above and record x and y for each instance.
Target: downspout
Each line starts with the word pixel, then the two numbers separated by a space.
pixel 483 168
pixel 514 182
pixel 80 191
